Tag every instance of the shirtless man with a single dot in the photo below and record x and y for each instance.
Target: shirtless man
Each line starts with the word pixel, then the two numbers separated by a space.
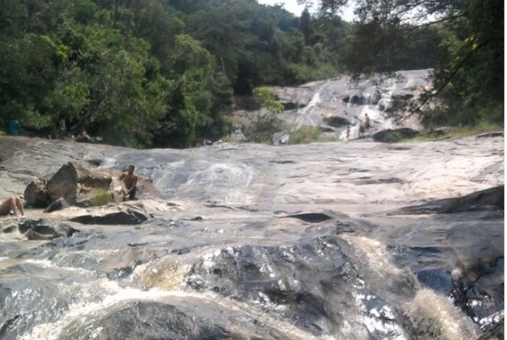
pixel 130 180
pixel 12 204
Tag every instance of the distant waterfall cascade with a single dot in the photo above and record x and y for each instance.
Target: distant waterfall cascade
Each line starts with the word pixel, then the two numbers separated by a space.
pixel 334 104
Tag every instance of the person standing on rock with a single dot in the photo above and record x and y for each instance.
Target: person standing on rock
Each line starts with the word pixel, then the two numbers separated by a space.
pixel 62 127
pixel 367 124
pixel 129 178
pixel 361 129
pixel 12 204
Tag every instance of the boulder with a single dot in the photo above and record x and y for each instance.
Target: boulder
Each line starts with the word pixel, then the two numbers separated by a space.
pixel 36 194
pixel 390 136
pixel 78 185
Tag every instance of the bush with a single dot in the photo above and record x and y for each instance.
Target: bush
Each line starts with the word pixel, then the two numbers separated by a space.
pixel 262 128
pixel 100 197
pixel 305 134
pixel 393 137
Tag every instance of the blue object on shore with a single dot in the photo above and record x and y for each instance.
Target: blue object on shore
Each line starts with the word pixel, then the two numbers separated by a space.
pixel 14 127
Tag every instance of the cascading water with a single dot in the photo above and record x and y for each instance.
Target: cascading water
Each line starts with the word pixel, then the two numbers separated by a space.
pixel 350 100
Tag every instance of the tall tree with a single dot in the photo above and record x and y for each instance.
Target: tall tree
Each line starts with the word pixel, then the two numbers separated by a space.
pixel 468 73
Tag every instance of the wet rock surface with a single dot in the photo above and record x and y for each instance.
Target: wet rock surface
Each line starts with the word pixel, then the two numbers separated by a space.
pixel 336 240
pixel 334 104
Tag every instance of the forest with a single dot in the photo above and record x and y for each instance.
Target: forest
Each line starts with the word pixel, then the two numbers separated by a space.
pixel 168 73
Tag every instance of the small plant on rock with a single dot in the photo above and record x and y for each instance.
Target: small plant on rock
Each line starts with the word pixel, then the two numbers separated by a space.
pixel 266 122
pixel 100 197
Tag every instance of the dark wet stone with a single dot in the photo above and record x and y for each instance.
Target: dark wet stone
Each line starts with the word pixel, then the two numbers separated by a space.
pixel 181 319
pixel 121 217
pixel 311 217
pixel 380 181
pixel 311 280
pixel 45 229
pixel 59 204
pixel 290 106
pixel 485 199
pixel 95 162
pixel 8 324
pixel 353 226
pixel 282 161
pixel 436 279
pixel 490 134
pixel 495 333
pixel 180 251
pixel 395 135
pixel 489 199
pixel 36 194
pixel 337 121
pixel 120 273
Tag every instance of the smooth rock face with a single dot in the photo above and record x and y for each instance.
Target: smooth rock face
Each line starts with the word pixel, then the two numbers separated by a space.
pixel 333 104
pixel 318 241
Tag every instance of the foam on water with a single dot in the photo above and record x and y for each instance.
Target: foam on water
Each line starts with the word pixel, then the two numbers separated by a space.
pixel 79 313
pixel 432 314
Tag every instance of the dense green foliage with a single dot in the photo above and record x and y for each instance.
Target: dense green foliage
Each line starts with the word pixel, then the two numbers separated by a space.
pixel 166 73
pixel 466 38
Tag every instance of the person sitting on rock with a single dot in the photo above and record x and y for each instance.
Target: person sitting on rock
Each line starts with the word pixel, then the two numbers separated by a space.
pixel 12 204
pixel 130 180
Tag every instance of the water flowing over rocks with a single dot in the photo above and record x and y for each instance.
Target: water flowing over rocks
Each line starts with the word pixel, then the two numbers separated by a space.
pixel 357 240
pixel 334 104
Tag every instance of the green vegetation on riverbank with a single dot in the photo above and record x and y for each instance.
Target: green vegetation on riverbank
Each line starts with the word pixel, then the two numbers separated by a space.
pixel 168 73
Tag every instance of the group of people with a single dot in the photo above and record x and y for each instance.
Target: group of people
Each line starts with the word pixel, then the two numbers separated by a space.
pixel 14 204
pixel 82 136
pixel 364 126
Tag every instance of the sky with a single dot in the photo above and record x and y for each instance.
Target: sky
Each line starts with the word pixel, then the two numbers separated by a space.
pixel 293 7
pixel 289 5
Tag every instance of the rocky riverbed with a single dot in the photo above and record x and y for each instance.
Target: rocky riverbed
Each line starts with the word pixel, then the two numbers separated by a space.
pixel 338 240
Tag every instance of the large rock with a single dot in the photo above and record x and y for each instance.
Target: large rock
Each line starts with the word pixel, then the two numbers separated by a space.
pixel 77 184
pixel 83 187
pixel 36 194
pixel 390 136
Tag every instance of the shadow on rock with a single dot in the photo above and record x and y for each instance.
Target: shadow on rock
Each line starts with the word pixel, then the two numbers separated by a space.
pixel 484 200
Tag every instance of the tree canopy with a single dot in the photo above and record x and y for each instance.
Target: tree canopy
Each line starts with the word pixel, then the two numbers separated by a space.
pixel 465 39
pixel 167 73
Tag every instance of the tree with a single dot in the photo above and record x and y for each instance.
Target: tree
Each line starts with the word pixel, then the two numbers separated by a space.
pixel 198 94
pixel 468 72
pixel 266 122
